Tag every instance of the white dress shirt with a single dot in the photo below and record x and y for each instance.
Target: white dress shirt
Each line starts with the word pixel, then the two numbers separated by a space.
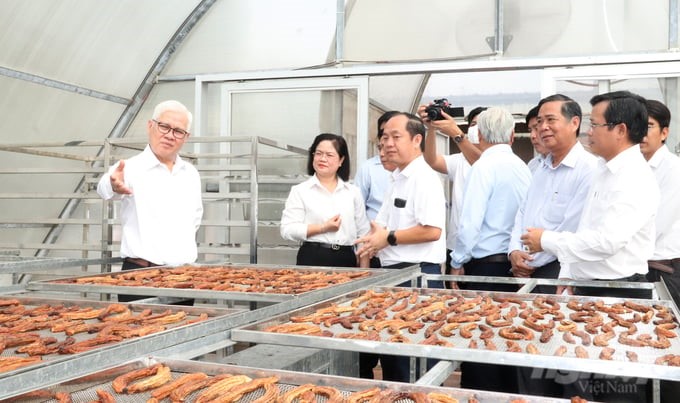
pixel 425 204
pixel 616 233
pixel 457 169
pixel 555 198
pixel 160 218
pixel 494 190
pixel 373 180
pixel 666 168
pixel 310 202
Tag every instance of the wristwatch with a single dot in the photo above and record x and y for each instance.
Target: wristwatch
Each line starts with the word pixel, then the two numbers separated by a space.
pixel 458 138
pixel 391 239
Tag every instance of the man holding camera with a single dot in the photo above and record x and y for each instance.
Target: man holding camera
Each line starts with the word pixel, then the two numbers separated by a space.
pixel 455 166
pixel 409 227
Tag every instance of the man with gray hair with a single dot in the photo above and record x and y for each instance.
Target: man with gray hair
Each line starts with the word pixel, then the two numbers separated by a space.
pixel 495 187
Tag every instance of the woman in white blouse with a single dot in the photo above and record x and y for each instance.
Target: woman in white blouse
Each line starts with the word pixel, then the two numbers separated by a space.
pixel 326 213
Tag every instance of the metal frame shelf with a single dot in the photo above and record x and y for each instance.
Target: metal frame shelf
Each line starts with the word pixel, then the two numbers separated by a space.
pixel 254 333
pixel 375 277
pixel 83 389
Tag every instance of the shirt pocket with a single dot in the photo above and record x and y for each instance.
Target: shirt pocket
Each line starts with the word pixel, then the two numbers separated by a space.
pixel 555 210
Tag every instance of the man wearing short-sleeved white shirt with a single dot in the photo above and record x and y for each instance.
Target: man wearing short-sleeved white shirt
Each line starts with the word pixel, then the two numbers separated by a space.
pixel 409 228
pixel 665 263
pixel 455 166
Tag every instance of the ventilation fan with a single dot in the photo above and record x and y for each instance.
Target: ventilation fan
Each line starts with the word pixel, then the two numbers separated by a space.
pixel 530 27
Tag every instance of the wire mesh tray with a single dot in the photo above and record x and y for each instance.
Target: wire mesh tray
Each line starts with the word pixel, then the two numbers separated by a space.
pixel 84 389
pixel 268 283
pixel 353 330
pixel 34 319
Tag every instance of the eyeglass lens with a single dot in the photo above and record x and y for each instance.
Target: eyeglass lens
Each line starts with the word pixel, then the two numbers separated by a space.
pixel 166 128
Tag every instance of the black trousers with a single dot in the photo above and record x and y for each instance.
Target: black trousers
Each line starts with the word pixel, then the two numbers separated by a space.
pixel 316 255
pixel 669 389
pixel 481 267
pixel 551 271
pixel 492 377
pixel 533 381
pixel 604 388
pixel 447 267
pixel 397 368
pixel 368 361
pixel 313 254
pixel 672 280
pixel 618 292
pixel 128 265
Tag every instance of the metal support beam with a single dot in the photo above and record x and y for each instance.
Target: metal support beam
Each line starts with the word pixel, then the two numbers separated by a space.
pixel 135 105
pixel 480 64
pixel 60 85
pixel 673 10
pixel 340 30
pixel 499 30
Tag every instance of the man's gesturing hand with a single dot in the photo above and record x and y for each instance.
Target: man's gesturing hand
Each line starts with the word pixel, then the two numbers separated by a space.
pixel 118 180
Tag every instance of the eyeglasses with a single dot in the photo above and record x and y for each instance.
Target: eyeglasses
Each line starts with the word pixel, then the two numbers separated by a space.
pixel 165 128
pixel 596 125
pixel 321 154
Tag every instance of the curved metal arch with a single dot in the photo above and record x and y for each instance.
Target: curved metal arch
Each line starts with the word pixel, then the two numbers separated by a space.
pixel 133 108
pixel 131 111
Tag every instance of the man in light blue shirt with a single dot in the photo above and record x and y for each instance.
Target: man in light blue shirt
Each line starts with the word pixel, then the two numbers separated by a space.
pixel 373 177
pixel 558 188
pixel 496 185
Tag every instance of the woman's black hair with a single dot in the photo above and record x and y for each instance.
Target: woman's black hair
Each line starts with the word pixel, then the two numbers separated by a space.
pixel 340 146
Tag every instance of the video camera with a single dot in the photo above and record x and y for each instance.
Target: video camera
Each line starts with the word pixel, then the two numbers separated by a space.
pixel 434 111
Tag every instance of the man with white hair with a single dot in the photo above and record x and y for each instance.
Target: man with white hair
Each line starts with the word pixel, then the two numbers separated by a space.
pixel 495 187
pixel 160 194
pixel 494 190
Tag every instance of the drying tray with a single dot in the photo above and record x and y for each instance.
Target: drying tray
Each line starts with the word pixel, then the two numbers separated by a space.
pixel 460 351
pixel 373 277
pixel 84 389
pixel 58 366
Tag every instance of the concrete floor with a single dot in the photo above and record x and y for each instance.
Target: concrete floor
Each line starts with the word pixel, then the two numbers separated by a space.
pixel 453 381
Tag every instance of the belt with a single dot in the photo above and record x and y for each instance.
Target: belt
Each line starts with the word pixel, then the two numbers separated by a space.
pixel 140 262
pixel 402 265
pixel 497 258
pixel 332 246
pixel 665 265
pixel 636 278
